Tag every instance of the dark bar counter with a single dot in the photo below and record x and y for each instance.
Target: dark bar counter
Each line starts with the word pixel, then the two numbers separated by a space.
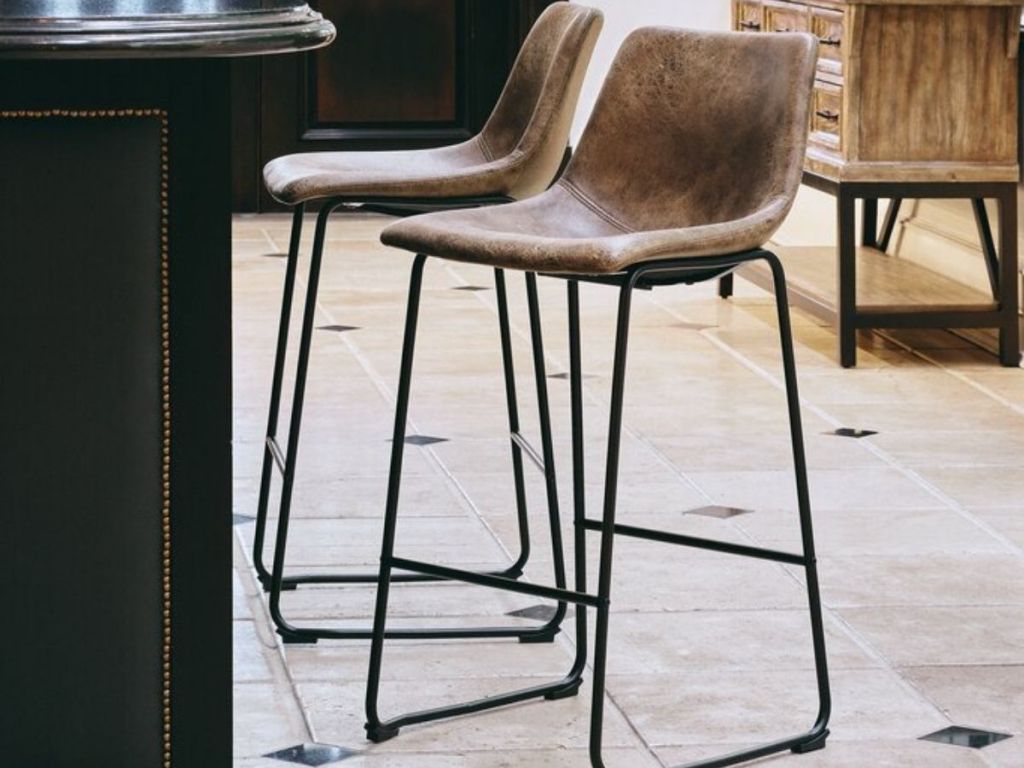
pixel 115 380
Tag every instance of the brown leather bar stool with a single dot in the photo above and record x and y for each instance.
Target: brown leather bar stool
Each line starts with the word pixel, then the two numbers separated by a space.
pixel 689 163
pixel 518 154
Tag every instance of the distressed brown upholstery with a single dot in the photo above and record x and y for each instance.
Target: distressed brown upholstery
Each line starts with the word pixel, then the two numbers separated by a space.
pixel 517 154
pixel 694 148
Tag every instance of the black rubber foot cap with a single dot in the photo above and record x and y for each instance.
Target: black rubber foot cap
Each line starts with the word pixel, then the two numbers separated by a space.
pixel 289 638
pixel 380 733
pixel 546 637
pixel 286 586
pixel 564 693
pixel 813 745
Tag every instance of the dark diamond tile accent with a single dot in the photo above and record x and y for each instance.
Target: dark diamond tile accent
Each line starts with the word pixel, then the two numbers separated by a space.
pixel 538 612
pixel 565 376
pixel 424 440
pixel 338 328
pixel 313 754
pixel 849 432
pixel 959 736
pixel 470 288
pixel 720 512
pixel 242 519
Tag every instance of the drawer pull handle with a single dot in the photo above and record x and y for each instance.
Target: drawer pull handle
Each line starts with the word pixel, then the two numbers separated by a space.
pixel 827 114
pixel 786 29
pixel 752 25
pixel 836 41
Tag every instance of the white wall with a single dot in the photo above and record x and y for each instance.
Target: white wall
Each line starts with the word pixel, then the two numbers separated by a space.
pixel 623 16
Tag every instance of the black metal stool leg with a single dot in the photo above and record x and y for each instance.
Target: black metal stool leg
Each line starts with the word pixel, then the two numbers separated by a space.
pixel 657 273
pixel 726 285
pixel 266 474
pixel 551 627
pixel 604 584
pixel 814 738
pixel 512 403
pixel 275 582
pixel 579 488
pixel 309 312
pixel 819 732
pixel 375 730
pixel 274 456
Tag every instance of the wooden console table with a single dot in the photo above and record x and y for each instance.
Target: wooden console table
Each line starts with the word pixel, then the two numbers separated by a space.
pixel 913 99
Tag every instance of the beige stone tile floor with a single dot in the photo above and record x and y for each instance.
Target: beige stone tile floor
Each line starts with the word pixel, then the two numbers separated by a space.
pixel 920 528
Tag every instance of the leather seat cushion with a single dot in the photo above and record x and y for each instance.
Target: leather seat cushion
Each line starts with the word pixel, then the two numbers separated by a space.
pixel 461 170
pixel 561 231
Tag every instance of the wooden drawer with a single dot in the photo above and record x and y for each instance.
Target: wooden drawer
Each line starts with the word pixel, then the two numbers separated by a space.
pixel 748 15
pixel 827 26
pixel 826 115
pixel 786 17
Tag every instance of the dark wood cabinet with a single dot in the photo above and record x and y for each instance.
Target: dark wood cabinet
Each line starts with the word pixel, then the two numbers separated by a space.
pixel 402 74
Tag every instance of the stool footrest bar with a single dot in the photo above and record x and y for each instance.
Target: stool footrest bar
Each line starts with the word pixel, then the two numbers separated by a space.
pixel 480 705
pixel 275 452
pixel 498 582
pixel 300 635
pixel 796 743
pixel 371 578
pixel 699 543
pixel 529 450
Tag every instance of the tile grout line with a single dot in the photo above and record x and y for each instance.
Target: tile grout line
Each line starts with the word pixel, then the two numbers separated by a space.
pixel 962 378
pixel 257 597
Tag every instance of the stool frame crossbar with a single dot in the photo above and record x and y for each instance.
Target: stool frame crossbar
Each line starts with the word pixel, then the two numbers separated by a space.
pixel 274 580
pixel 645 275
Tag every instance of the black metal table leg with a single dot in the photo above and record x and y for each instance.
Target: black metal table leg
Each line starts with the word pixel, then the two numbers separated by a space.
pixel 988 245
pixel 869 227
pixel 846 275
pixel 1009 278
pixel 889 224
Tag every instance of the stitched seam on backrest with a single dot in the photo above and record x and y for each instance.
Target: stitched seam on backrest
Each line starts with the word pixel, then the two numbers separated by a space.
pixel 485 147
pixel 580 195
